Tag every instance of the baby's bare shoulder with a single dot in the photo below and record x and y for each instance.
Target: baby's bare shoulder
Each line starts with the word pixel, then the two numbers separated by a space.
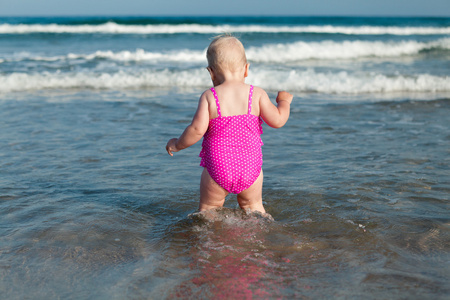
pixel 207 95
pixel 259 93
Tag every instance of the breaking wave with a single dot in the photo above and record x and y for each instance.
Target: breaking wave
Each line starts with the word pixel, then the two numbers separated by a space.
pixel 308 81
pixel 277 53
pixel 114 28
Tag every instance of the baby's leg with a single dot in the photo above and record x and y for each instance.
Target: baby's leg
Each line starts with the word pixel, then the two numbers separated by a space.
pixel 212 195
pixel 252 197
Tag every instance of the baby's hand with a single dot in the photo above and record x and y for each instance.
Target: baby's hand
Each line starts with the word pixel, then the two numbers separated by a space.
pixel 284 96
pixel 172 146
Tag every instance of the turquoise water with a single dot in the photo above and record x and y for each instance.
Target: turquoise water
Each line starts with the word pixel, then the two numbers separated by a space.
pixel 357 182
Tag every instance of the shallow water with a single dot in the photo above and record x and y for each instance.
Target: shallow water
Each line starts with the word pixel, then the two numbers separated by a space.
pixel 92 206
pixel 357 182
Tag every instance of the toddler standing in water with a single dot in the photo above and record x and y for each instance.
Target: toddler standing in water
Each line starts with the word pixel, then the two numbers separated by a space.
pixel 229 118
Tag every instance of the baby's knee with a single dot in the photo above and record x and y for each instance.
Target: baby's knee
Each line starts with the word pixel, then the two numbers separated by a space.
pixel 207 206
pixel 252 203
pixel 253 206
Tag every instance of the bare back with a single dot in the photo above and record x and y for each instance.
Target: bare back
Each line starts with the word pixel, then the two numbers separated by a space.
pixel 233 99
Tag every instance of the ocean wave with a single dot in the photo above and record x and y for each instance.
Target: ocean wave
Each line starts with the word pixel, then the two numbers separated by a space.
pixel 308 81
pixel 114 28
pixel 184 55
pixel 91 80
pixel 341 50
pixel 270 53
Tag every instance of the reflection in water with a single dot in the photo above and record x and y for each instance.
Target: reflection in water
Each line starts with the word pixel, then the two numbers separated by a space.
pixel 218 254
pixel 232 254
pixel 89 209
pixel 235 254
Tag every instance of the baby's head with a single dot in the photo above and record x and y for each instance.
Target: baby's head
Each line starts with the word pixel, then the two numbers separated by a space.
pixel 226 53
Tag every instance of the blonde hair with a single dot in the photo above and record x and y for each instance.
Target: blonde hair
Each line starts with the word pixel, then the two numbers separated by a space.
pixel 226 52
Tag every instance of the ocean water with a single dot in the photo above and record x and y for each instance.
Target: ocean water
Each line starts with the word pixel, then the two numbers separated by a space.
pixel 357 181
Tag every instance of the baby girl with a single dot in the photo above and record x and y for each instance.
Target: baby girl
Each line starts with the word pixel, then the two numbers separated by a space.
pixel 229 118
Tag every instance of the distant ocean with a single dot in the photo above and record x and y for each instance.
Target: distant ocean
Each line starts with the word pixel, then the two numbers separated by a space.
pixel 358 181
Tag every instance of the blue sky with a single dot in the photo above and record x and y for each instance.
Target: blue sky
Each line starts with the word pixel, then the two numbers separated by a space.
pixel 226 7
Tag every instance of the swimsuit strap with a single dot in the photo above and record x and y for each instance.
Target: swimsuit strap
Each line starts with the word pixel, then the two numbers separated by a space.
pixel 250 99
pixel 217 101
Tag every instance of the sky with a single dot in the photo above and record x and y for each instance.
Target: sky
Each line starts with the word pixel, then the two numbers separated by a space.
pixel 226 7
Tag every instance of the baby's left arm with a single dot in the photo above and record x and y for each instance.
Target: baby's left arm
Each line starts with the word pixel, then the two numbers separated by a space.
pixel 195 131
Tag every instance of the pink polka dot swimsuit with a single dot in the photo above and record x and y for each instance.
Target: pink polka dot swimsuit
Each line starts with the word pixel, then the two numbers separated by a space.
pixel 231 149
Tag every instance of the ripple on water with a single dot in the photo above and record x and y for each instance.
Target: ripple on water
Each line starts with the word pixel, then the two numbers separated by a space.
pixel 231 253
pixel 62 250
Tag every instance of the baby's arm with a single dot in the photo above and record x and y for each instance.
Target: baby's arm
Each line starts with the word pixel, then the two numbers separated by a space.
pixel 195 131
pixel 275 116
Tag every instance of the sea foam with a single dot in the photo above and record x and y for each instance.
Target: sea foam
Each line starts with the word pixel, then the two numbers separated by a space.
pixel 281 53
pixel 309 81
pixel 114 28
pixel 269 53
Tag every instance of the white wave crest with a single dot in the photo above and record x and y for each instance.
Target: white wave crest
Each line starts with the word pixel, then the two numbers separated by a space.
pixel 346 83
pixel 340 50
pixel 114 28
pixel 142 55
pixel 295 81
pixel 276 53
pixel 184 55
pixel 120 80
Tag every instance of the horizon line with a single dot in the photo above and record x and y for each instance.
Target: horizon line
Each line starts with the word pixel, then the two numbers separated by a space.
pixel 226 16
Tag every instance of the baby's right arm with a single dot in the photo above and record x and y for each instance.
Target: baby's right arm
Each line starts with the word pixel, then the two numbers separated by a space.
pixel 195 131
pixel 275 116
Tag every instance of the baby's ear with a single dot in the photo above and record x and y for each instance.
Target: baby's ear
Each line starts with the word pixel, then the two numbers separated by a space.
pixel 211 73
pixel 246 70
